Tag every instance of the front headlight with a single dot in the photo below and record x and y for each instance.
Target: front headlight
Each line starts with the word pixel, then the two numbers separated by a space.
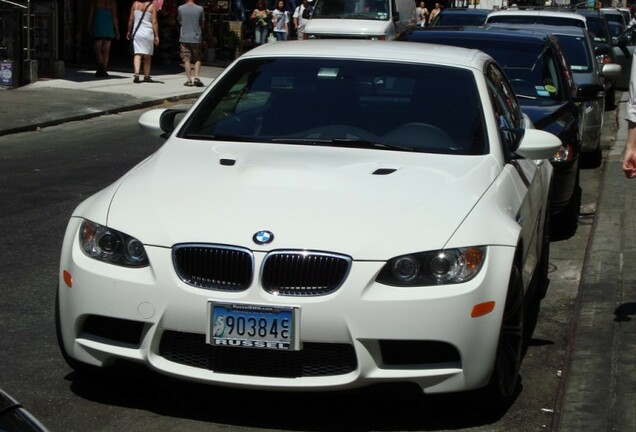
pixel 433 268
pixel 112 246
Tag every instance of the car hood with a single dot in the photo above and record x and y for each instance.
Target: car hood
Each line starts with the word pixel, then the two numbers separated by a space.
pixel 369 204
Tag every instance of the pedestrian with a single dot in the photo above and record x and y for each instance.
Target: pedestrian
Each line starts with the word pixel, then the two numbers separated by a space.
pixel 143 30
pixel 280 20
pixel 629 160
pixel 422 14
pixel 260 17
pixel 302 15
pixel 434 12
pixel 192 21
pixel 104 27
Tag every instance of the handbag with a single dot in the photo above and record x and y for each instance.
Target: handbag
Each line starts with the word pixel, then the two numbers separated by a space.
pixel 131 45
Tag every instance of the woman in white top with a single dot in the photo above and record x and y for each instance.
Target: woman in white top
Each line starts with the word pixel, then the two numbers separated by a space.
pixel 144 32
pixel 280 19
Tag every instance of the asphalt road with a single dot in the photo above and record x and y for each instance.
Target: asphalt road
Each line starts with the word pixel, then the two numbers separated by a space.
pixel 45 174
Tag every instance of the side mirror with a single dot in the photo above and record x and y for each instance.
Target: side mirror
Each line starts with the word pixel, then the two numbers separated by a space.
pixel 396 16
pixel 160 122
pixel 611 70
pixel 537 144
pixel 589 92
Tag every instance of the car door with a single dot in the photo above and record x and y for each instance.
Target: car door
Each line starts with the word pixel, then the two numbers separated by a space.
pixel 509 116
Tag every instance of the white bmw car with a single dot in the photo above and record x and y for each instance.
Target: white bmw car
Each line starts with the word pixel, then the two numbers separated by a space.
pixel 328 214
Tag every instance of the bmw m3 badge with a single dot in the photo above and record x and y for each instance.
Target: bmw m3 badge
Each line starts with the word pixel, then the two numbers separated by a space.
pixel 263 237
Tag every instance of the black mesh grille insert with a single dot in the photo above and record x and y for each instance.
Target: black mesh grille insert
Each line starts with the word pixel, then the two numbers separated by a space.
pixel 298 273
pixel 404 352
pixel 315 359
pixel 213 266
pixel 115 329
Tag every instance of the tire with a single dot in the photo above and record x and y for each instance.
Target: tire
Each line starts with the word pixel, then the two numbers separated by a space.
pixel 565 223
pixel 504 380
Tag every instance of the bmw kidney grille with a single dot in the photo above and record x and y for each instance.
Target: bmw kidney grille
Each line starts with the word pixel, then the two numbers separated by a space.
pixel 288 273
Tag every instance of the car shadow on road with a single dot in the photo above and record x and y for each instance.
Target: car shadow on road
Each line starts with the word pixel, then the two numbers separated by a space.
pixel 383 407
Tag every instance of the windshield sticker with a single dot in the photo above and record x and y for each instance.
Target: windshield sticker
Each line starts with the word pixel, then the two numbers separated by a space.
pixel 550 88
pixel 541 91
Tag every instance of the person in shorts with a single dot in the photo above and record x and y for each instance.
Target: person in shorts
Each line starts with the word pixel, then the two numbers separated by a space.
pixel 192 21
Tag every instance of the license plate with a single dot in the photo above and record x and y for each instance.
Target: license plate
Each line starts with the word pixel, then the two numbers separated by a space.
pixel 253 326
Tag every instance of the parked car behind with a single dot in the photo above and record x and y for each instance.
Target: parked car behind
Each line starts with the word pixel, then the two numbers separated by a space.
pixel 579 53
pixel 601 35
pixel 543 83
pixel 393 235
pixel 593 22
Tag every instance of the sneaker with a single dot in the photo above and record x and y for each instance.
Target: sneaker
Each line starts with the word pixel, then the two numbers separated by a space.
pixel 197 82
pixel 136 79
pixel 188 83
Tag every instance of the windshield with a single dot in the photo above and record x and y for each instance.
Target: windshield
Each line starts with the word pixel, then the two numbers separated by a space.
pixel 598 29
pixel 531 68
pixel 576 52
pixel 353 9
pixel 344 103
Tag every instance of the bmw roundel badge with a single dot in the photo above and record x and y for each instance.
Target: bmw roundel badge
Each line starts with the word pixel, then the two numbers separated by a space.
pixel 263 237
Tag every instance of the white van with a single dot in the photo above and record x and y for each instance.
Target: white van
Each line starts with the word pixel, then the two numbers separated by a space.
pixel 360 19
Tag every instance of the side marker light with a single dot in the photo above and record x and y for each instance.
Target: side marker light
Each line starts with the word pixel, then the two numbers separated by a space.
pixel 482 309
pixel 68 279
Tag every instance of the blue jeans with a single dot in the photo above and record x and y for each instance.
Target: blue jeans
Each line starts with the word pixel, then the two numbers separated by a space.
pixel 260 34
pixel 280 36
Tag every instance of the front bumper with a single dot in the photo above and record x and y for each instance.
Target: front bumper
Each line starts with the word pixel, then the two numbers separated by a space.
pixel 361 334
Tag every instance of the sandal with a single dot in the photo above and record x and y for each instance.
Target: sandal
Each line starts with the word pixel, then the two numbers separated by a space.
pixel 197 82
pixel 136 79
pixel 148 79
pixel 188 83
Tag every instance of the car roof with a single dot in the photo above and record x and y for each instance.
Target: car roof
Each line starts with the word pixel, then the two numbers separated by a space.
pixel 486 32
pixel 611 11
pixel 373 50
pixel 537 12
pixel 590 12
pixel 465 11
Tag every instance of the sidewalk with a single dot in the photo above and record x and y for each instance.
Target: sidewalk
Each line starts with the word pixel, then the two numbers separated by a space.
pixel 80 95
pixel 598 390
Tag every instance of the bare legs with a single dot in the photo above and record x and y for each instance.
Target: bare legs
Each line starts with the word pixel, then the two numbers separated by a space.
pixel 187 65
pixel 147 61
pixel 102 53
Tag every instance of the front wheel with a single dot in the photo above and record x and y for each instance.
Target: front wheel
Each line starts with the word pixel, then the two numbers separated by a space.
pixel 505 377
